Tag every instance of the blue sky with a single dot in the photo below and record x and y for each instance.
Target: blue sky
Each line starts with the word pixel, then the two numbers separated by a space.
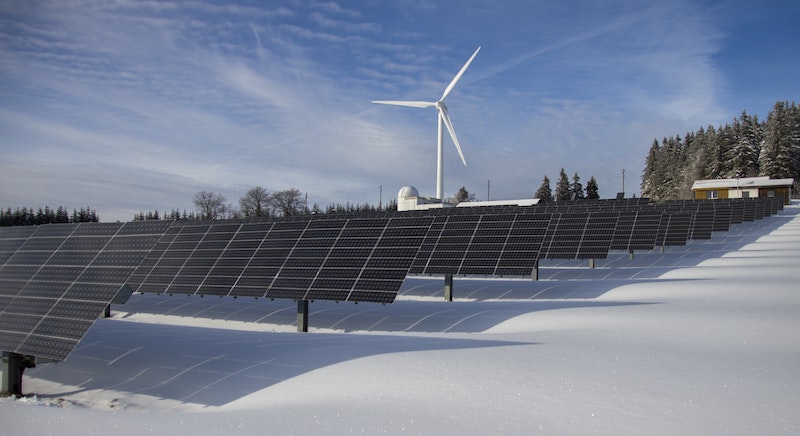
pixel 129 106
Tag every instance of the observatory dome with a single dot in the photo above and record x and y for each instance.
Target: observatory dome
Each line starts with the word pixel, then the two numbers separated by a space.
pixel 408 192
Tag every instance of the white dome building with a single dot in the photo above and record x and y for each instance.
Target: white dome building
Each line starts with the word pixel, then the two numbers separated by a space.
pixel 407 192
pixel 408 199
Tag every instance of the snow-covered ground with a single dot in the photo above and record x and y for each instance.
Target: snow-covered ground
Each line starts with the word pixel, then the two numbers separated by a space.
pixel 700 339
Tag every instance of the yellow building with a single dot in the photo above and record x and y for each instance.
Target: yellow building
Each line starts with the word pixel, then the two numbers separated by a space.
pixel 748 187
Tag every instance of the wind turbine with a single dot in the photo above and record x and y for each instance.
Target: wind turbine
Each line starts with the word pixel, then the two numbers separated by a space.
pixel 444 118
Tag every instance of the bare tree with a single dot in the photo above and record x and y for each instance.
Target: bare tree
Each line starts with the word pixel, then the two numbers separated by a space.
pixel 256 202
pixel 210 206
pixel 287 202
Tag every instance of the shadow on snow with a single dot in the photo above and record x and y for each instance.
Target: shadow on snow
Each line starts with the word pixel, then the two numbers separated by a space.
pixel 213 367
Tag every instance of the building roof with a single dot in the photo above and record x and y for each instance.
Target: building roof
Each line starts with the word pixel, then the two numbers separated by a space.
pixel 742 183
pixel 522 202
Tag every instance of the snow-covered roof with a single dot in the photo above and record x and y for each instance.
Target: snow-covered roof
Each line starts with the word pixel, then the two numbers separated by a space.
pixel 521 202
pixel 744 183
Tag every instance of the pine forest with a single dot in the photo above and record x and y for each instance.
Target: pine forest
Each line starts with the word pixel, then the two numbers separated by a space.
pixel 745 148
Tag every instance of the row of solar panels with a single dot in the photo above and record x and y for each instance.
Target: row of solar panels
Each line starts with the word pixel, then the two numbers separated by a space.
pixel 56 279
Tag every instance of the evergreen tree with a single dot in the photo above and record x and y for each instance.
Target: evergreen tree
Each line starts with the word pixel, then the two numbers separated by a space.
pixel 461 196
pixel 779 154
pixel 592 189
pixel 576 188
pixel 651 175
pixel 674 162
pixel 719 151
pixel 544 193
pixel 562 187
pixel 686 180
pixel 28 217
pixel 700 162
pixel 62 216
pixel 742 159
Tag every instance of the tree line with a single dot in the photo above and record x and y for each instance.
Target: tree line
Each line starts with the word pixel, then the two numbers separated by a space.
pixel 566 190
pixel 745 148
pixel 30 217
pixel 258 202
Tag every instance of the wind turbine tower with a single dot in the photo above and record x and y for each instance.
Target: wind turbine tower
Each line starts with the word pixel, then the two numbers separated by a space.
pixel 443 119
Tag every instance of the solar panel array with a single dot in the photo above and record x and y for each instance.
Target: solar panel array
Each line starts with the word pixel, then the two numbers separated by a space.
pixel 56 279
pixel 481 244
pixel 60 278
pixel 347 259
pixel 636 229
pixel 579 235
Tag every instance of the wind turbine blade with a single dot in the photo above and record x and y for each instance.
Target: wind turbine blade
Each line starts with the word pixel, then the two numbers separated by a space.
pixel 449 124
pixel 458 76
pixel 406 103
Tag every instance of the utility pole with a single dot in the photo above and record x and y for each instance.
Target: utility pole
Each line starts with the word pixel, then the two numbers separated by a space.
pixel 380 198
pixel 623 180
pixel 488 190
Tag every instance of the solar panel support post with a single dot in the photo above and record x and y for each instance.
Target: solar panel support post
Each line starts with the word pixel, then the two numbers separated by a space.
pixel 14 365
pixel 535 272
pixel 107 312
pixel 448 287
pixel 591 263
pixel 302 316
pixel 630 254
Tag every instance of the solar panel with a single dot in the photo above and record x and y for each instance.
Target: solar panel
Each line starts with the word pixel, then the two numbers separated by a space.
pixel 722 216
pixel 705 220
pixel 11 238
pixel 623 233
pixel 579 235
pixel 60 279
pixel 761 211
pixel 486 245
pixel 749 210
pixel 674 228
pixel 737 211
pixel 481 244
pixel 645 230
pixel 521 250
pixel 596 240
pixel 637 229
pixel 776 204
pixel 564 235
pixel 345 259
pixel 378 276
